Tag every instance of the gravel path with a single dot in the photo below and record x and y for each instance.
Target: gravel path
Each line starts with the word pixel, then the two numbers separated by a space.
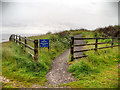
pixel 78 42
pixel 59 69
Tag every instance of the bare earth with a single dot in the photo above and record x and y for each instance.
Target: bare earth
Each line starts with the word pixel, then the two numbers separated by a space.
pixel 59 69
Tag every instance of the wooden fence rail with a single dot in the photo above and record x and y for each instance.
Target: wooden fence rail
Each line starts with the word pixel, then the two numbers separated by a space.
pixel 19 40
pixel 96 45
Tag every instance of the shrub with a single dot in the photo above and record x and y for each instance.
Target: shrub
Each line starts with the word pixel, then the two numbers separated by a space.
pixel 53 38
pixel 49 33
pixel 63 34
pixel 105 40
pixel 80 67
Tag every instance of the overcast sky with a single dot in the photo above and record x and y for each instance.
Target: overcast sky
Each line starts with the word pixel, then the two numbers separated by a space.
pixel 41 16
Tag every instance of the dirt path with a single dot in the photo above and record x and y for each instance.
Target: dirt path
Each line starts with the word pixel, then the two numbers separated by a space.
pixel 59 69
pixel 77 42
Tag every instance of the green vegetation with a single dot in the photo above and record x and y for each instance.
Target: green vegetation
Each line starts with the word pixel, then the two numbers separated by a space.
pixel 109 31
pixel 107 78
pixel 96 70
pixel 19 66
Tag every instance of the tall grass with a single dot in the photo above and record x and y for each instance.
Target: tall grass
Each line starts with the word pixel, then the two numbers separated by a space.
pixel 95 63
pixel 19 66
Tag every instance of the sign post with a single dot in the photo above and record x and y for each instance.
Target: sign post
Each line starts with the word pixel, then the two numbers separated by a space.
pixel 44 43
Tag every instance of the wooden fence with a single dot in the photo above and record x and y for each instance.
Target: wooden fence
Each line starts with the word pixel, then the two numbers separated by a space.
pixel 23 40
pixel 96 45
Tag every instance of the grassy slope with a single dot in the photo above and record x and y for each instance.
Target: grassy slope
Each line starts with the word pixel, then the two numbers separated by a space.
pixel 98 70
pixel 19 66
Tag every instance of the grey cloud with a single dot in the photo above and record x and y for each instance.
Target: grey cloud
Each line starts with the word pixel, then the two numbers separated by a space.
pixel 58 16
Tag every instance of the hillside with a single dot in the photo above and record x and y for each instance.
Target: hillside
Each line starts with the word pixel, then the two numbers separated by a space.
pixel 109 31
pixel 21 69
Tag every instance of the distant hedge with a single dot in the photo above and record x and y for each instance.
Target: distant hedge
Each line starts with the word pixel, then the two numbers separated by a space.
pixel 110 31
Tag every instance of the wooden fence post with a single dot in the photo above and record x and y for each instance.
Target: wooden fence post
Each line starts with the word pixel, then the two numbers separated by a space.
pixel 112 43
pixel 13 37
pixel 36 50
pixel 19 39
pixel 10 39
pixel 119 46
pixel 96 41
pixel 72 48
pixel 25 41
pixel 16 39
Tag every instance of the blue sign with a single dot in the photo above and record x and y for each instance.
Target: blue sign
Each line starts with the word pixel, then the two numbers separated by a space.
pixel 44 42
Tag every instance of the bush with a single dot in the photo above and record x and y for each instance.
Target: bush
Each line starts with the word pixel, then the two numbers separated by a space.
pixel 109 31
pixel 95 62
pixel 53 38
pixel 63 34
pixel 80 67
pixel 49 33
pixel 105 40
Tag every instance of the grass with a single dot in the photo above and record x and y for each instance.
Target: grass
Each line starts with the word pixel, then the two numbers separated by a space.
pixel 98 70
pixel 107 78
pixel 19 66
